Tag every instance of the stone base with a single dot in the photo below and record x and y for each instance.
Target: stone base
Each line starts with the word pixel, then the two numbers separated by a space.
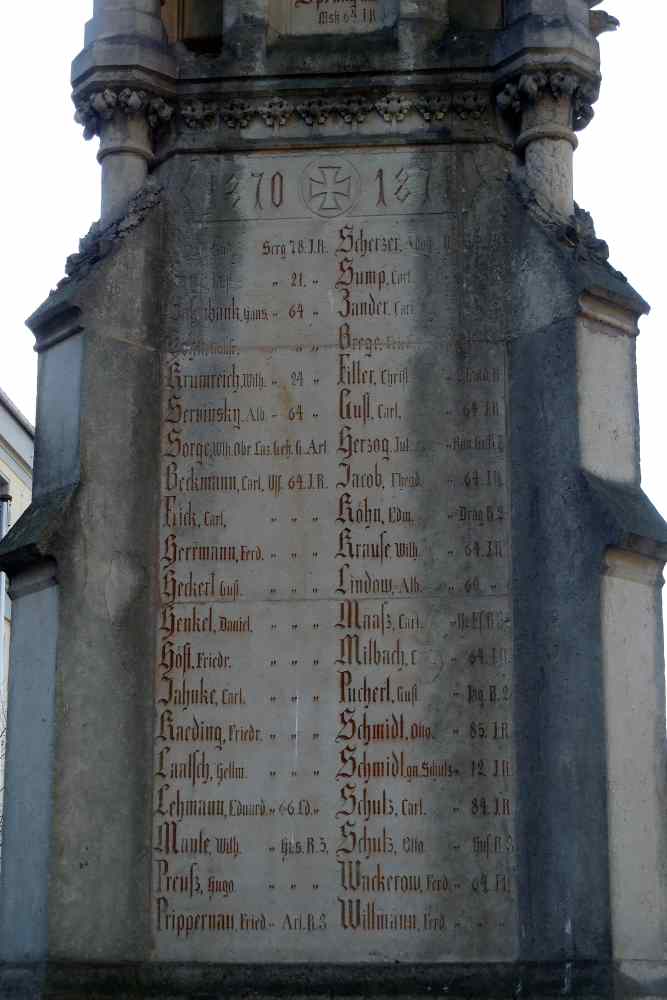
pixel 132 981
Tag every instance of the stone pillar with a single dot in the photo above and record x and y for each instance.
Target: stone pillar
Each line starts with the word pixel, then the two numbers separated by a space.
pixel 634 671
pixel 121 17
pixel 124 121
pixel 118 98
pixel 29 765
pixel 548 106
pixel 548 141
pixel 125 148
pixel 550 82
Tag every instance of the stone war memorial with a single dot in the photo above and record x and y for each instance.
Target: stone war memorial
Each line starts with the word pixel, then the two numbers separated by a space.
pixel 337 653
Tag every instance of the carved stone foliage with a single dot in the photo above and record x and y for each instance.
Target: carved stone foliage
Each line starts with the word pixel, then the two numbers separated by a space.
pixel 434 107
pixel 198 114
pixel 101 106
pixel 528 88
pixel 277 112
pixel 393 108
pixel 316 111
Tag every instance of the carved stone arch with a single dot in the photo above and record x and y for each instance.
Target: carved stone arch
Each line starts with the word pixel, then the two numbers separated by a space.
pixel 196 23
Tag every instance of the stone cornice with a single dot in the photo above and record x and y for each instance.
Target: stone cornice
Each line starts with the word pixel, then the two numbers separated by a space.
pixel 279 112
pixel 375 106
pixel 322 106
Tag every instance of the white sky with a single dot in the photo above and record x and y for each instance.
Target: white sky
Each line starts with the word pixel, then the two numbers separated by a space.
pixel 50 181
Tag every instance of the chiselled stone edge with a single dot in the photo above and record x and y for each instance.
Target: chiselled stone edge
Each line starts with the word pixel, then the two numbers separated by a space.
pixel 636 523
pixel 213 982
pixel 101 238
pixel 30 540
pixel 578 238
pixel 58 318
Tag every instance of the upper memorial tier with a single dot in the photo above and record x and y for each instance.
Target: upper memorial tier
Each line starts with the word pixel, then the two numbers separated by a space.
pixel 158 78
pixel 177 43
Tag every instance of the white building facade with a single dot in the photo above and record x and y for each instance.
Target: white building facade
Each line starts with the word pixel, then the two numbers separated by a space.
pixel 16 459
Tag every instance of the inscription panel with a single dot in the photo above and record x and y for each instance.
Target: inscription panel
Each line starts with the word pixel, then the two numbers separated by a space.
pixel 324 17
pixel 334 765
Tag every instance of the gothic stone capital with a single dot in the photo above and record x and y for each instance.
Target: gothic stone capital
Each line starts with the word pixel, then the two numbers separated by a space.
pixel 528 89
pixel 101 107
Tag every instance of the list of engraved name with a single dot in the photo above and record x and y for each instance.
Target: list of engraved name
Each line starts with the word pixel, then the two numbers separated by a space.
pixel 333 737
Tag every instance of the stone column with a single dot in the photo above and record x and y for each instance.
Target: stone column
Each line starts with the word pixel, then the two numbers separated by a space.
pixel 550 81
pixel 123 120
pixel 125 151
pixel 117 17
pixel 547 139
pixel 549 106
pixel 29 765
pixel 122 35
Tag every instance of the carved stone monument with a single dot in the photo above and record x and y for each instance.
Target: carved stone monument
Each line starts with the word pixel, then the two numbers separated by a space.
pixel 337 660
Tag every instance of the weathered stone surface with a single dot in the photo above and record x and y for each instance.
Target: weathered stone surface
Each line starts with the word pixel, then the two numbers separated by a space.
pixel 333 552
pixel 291 17
pixel 349 582
pixel 32 537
